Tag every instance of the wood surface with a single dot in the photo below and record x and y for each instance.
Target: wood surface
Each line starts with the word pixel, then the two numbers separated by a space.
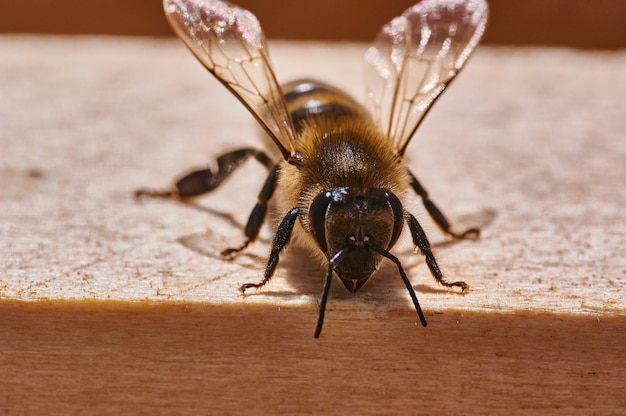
pixel 109 305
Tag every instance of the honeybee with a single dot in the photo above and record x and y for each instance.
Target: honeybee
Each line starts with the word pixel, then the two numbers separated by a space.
pixel 341 176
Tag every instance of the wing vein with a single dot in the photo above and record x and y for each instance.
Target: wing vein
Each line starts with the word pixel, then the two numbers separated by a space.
pixel 413 59
pixel 230 43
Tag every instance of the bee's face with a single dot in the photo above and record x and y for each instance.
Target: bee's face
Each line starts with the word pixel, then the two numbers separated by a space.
pixel 349 220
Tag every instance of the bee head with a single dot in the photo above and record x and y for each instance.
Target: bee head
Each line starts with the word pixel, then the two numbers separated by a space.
pixel 350 221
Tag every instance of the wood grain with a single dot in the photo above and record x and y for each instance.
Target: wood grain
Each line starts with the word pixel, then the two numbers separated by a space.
pixel 111 358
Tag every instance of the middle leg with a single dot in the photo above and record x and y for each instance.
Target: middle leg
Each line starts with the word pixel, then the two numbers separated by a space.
pixel 436 214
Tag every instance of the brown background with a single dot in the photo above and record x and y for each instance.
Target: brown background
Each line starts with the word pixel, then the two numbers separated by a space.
pixel 578 23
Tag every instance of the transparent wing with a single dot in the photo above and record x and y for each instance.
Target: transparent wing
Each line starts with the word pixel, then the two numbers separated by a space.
pixel 413 59
pixel 230 43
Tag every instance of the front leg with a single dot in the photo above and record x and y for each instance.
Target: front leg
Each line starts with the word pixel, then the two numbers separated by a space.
pixel 283 234
pixel 421 241
pixel 436 214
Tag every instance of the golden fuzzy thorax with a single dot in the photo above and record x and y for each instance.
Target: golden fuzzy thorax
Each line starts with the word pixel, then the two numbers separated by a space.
pixel 350 152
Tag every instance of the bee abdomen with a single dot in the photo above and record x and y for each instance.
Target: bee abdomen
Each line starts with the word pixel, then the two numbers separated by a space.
pixel 307 99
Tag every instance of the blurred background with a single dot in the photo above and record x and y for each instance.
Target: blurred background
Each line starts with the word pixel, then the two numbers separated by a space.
pixel 588 24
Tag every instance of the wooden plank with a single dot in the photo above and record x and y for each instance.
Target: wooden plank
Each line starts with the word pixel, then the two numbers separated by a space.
pixel 60 358
pixel 520 146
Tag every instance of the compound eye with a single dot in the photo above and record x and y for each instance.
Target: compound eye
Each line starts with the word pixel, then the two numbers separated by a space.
pixel 398 215
pixel 317 217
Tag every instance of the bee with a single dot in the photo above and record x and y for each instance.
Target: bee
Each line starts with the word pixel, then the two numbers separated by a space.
pixel 341 177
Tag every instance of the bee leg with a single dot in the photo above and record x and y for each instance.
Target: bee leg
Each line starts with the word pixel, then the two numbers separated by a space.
pixel 205 180
pixel 421 242
pixel 437 215
pixel 283 233
pixel 257 216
